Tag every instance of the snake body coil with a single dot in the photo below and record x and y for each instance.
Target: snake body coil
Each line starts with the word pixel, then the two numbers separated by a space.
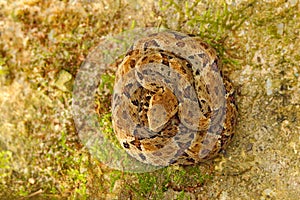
pixel 170 102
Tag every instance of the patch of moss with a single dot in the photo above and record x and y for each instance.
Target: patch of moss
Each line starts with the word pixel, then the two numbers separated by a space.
pixel 153 185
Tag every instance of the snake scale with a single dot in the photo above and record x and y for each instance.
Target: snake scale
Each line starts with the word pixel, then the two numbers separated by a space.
pixel 171 103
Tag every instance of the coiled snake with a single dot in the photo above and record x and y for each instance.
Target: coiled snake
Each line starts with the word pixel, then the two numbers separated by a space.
pixel 170 103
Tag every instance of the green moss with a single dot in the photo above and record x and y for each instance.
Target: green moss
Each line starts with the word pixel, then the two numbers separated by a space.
pixel 103 102
pixel 214 22
pixel 175 178
pixel 5 162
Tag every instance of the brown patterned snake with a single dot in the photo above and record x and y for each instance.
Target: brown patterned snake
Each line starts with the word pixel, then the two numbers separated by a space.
pixel 170 103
